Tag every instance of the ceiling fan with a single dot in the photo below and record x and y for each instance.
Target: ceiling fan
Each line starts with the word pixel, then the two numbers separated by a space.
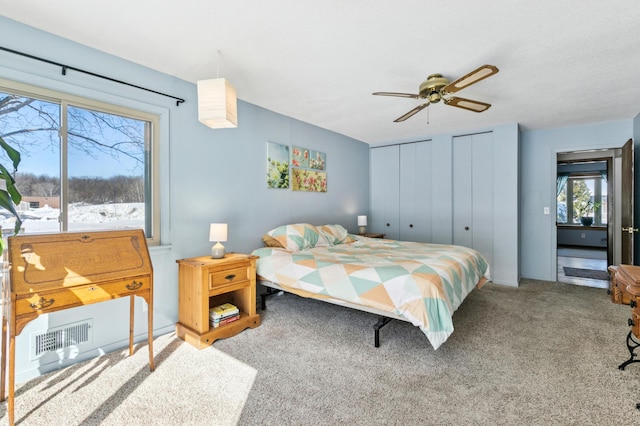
pixel 436 88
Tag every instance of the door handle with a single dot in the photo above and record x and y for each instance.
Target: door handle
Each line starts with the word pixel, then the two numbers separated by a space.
pixel 629 230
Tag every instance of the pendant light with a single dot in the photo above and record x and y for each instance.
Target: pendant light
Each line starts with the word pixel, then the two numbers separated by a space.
pixel 217 102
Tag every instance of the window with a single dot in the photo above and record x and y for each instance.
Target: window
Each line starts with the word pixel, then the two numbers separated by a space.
pixel 582 196
pixel 86 165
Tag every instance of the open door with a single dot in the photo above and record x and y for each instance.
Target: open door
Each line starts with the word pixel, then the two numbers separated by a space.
pixel 627 229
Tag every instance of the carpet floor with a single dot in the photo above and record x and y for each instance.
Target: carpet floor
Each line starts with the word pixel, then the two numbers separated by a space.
pixel 542 354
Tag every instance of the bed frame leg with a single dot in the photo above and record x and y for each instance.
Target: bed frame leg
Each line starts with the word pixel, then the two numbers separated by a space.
pixel 263 297
pixel 382 321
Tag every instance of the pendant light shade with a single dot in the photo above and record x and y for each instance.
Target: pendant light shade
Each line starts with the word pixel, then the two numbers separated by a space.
pixel 217 103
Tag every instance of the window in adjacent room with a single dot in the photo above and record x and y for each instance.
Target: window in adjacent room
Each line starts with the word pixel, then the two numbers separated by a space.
pixel 86 165
pixel 582 195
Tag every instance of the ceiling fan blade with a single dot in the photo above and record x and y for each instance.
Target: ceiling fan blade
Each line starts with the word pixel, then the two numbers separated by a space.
pixel 475 106
pixel 412 112
pixel 401 95
pixel 471 78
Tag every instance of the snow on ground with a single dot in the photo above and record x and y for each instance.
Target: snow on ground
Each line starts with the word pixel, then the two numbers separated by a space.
pixel 81 217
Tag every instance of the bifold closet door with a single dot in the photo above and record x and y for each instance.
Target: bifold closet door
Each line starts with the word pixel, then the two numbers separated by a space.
pixel 385 187
pixel 473 174
pixel 416 191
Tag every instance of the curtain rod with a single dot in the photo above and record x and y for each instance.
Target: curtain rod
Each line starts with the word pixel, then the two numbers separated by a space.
pixel 68 67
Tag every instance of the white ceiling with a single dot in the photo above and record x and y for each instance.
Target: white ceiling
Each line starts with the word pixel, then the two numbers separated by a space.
pixel 561 63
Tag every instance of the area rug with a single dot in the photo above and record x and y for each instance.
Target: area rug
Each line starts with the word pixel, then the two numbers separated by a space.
pixel 586 273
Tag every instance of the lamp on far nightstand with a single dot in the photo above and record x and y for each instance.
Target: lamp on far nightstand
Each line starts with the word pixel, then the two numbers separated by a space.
pixel 217 233
pixel 362 223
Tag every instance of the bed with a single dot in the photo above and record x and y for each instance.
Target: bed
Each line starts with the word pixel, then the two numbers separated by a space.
pixel 423 284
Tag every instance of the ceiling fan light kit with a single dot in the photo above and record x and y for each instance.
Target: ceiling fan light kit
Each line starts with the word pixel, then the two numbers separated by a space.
pixel 436 88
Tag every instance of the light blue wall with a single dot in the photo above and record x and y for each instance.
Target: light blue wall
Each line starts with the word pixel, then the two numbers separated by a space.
pixel 538 187
pixel 206 176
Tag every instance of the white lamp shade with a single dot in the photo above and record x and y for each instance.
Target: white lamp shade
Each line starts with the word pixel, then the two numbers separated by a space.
pixel 217 103
pixel 218 232
pixel 362 220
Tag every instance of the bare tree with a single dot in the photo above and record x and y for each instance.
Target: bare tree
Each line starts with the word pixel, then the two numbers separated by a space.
pixel 33 124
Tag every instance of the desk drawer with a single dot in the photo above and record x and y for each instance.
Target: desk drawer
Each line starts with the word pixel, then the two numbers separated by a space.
pixel 227 277
pixel 80 295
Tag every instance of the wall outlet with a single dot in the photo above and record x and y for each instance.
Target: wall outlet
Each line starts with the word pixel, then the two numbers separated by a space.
pixel 546 210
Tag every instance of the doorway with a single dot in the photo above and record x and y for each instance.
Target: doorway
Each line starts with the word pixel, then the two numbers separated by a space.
pixel 585 214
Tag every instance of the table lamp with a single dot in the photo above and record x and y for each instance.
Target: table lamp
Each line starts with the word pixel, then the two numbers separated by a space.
pixel 217 233
pixel 362 223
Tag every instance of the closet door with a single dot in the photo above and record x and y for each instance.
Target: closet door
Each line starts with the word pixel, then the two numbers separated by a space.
pixel 416 191
pixel 473 173
pixel 385 186
pixel 462 192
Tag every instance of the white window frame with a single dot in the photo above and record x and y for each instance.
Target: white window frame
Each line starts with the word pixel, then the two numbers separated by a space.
pixel 65 99
pixel 597 194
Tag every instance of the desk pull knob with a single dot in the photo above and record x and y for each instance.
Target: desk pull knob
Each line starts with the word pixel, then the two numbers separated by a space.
pixel 630 322
pixel 134 285
pixel 633 303
pixel 230 277
pixel 42 303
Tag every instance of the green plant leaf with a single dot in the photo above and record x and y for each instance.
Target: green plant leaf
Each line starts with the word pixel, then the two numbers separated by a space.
pixel 10 197
pixel 14 155
pixel 7 203
pixel 10 183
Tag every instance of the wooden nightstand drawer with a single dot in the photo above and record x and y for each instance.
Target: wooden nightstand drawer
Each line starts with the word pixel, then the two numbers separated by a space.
pixel 80 295
pixel 227 277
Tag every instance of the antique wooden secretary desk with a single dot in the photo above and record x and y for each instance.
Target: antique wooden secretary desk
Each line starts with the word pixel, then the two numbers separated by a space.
pixel 52 272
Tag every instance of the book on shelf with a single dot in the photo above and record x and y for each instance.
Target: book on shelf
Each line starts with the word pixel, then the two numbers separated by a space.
pixel 223 311
pixel 223 321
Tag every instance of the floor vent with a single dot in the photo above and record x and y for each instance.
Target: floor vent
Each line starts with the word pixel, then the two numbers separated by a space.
pixel 59 338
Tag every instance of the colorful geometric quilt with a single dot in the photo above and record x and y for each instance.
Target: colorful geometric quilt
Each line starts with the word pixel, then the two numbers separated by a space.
pixel 422 283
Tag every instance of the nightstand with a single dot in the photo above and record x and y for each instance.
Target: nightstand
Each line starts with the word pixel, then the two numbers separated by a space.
pixel 204 283
pixel 372 235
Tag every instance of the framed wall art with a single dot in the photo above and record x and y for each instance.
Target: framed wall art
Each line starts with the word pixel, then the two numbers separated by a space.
pixel 277 165
pixel 308 180
pixel 308 158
